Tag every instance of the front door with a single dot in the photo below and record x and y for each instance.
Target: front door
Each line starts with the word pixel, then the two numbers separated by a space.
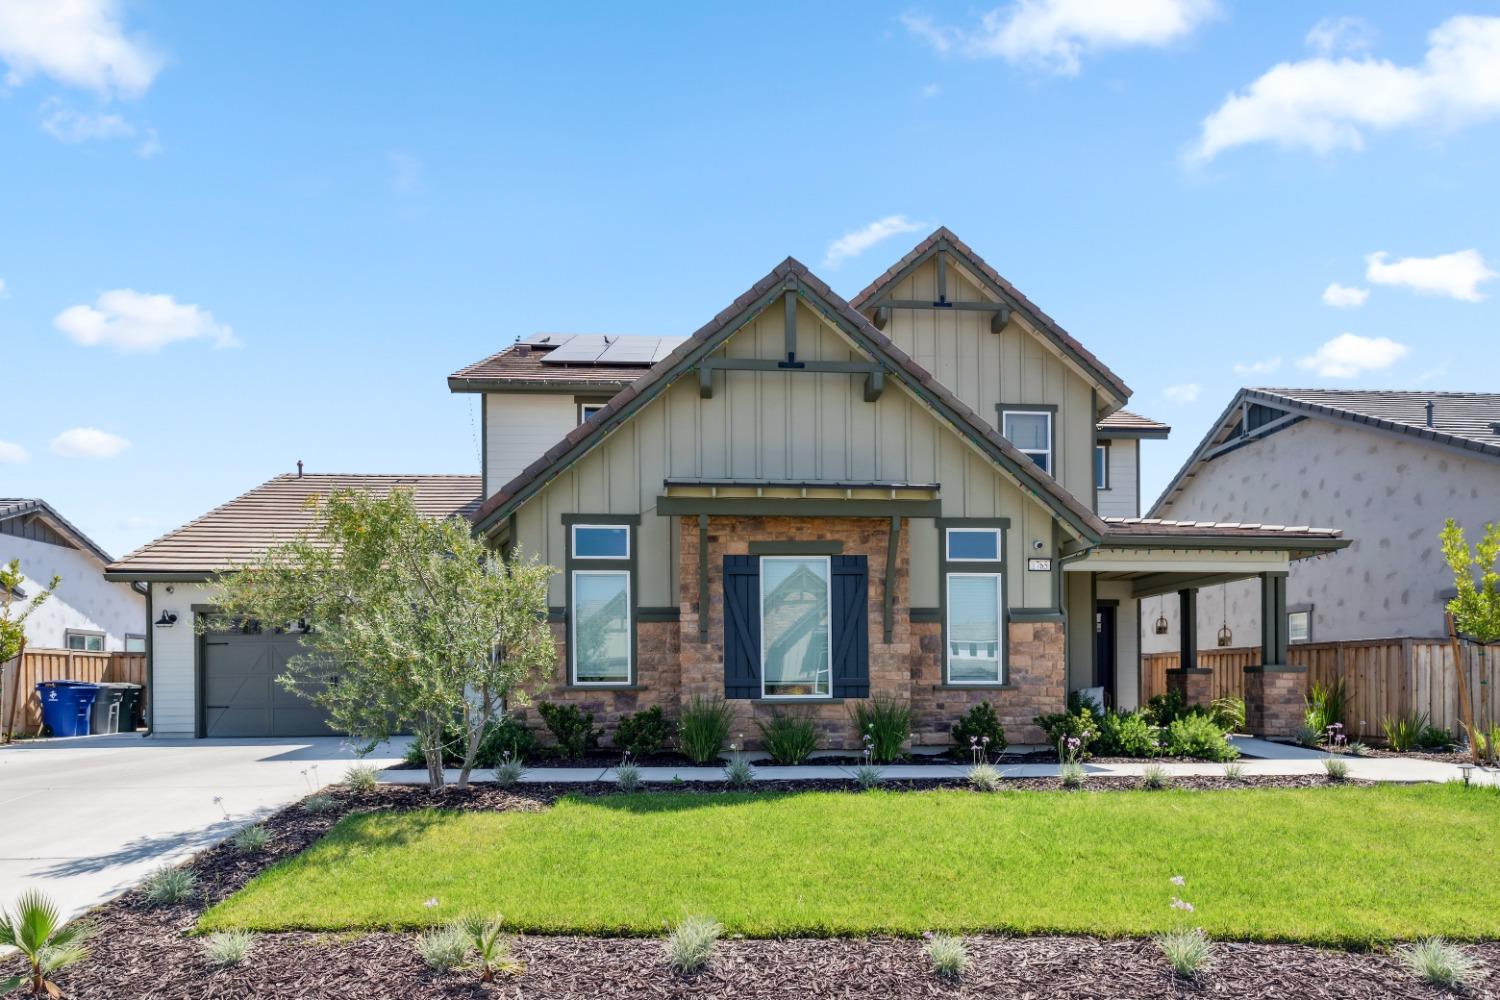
pixel 1104 649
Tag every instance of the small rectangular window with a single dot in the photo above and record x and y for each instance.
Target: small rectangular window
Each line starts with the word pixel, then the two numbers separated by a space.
pixel 601 541
pixel 587 410
pixel 1299 626
pixel 135 644
pixel 796 632
pixel 91 642
pixel 601 627
pixel 973 544
pixel 1101 466
pixel 974 651
pixel 1031 432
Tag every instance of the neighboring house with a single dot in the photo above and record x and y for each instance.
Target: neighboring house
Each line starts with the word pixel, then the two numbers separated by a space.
pixel 86 612
pixel 1386 466
pixel 806 502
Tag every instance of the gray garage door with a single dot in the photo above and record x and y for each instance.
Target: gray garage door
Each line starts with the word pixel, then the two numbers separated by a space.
pixel 240 693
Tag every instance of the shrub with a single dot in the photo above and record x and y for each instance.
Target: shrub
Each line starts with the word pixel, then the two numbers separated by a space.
pixel 739 773
pixel 1072 775
pixel 361 778
pixel 251 839
pixel 1440 962
pixel 226 948
pixel 1336 769
pixel 643 733
pixel 704 728
pixel 948 954
pixel 1234 771
pixel 1165 709
pixel 1186 951
pixel 1307 736
pixel 482 936
pixel 1126 734
pixel 506 735
pixel 984 777
pixel 572 727
pixel 1155 778
pixel 1196 735
pixel 1434 738
pixel 868 776
pixel 166 886
pixel 1081 725
pixel 1357 749
pixel 1228 713
pixel 1325 704
pixel 509 771
pixel 885 724
pixel 319 804
pixel 790 737
pixel 978 724
pixel 46 942
pixel 628 776
pixel 443 948
pixel 691 943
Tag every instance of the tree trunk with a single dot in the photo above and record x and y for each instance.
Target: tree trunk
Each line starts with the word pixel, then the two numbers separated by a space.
pixel 1465 707
pixel 15 693
pixel 474 732
pixel 430 737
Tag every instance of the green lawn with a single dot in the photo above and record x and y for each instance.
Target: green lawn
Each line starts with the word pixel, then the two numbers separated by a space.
pixel 1349 865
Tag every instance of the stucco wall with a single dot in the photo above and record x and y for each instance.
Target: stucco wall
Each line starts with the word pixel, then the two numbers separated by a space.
pixel 1388 494
pixel 173 671
pixel 83 599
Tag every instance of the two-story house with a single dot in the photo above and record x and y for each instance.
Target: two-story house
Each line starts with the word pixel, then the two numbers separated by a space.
pixel 806 502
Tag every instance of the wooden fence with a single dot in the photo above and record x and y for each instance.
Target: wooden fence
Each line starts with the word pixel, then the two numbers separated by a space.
pixel 21 711
pixel 1384 678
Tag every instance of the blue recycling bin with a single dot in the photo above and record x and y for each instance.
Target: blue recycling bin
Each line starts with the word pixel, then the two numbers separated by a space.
pixel 66 706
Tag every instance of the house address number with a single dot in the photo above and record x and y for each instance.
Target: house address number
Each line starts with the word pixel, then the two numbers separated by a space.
pixel 1039 565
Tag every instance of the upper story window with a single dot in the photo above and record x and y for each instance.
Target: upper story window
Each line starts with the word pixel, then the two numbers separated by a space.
pixel 1031 432
pixel 973 544
pixel 587 410
pixel 91 642
pixel 1101 466
pixel 601 541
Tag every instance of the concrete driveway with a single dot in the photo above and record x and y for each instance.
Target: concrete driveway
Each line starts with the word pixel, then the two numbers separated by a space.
pixel 85 819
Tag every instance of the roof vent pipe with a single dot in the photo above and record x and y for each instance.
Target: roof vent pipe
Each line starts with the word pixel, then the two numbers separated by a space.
pixel 299 468
pixel 1430 407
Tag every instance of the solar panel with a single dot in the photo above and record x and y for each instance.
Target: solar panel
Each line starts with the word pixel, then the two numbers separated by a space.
pixel 582 349
pixel 629 351
pixel 547 339
pixel 665 346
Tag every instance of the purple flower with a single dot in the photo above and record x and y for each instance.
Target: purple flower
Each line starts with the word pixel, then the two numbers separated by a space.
pixel 1182 904
pixel 1178 880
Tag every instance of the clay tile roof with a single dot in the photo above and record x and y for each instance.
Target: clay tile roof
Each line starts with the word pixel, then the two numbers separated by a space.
pixel 1133 424
pixel 1133 528
pixel 523 364
pixel 277 511
pixel 1463 418
pixel 12 507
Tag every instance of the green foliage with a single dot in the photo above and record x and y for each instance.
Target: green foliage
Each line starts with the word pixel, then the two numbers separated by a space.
pixel 319 804
pixel 643 733
pixel 738 773
pixel 508 734
pixel 509 771
pixel 948 954
pixel 572 727
pixel 1081 725
pixel 226 948
pixel 1411 730
pixel 1234 771
pixel 978 725
pixel 1228 713
pixel 1165 709
pixel 1186 950
pixel 1441 963
pixel 13 617
pixel 485 940
pixel 1336 769
pixel 790 737
pixel 1476 577
pixel 426 624
pixel 628 777
pixel 984 778
pixel 444 948
pixel 167 886
pixel 1325 705
pixel 868 776
pixel 703 728
pixel 1072 774
pixel 884 724
pixel 361 778
pixel 1196 735
pixel 251 839
pixel 1154 778
pixel 690 945
pixel 1126 734
pixel 36 929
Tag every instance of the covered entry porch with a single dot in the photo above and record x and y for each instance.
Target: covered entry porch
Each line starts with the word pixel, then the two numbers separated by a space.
pixel 1147 560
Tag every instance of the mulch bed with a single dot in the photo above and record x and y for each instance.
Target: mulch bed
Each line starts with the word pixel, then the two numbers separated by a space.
pixel 144 952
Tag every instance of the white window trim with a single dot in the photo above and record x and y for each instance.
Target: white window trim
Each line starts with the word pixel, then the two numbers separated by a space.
pixel 1051 468
pixel 135 635
pixel 1000 659
pixel 1103 483
pixel 573 630
pixel 999 544
pixel 1308 611
pixel 573 540
pixel 583 409
pixel 86 634
pixel 761 612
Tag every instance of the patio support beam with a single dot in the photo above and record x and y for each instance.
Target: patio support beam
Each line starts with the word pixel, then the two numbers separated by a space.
pixel 1273 633
pixel 702 577
pixel 1187 624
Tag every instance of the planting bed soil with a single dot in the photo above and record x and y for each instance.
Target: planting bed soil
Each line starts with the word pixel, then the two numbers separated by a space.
pixel 547 757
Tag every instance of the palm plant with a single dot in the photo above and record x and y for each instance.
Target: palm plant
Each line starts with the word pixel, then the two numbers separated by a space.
pixel 37 930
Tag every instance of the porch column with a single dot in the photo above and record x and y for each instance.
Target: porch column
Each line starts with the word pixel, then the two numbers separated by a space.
pixel 1275 691
pixel 1195 685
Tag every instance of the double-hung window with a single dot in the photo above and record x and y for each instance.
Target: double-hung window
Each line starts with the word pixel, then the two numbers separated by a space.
pixel 1031 432
pixel 796 628
pixel 1101 466
pixel 974 595
pixel 601 639
pixel 1299 625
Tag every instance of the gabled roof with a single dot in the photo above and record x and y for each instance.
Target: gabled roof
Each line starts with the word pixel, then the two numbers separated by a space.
pixel 1467 421
pixel 14 507
pixel 1138 532
pixel 274 513
pixel 791 275
pixel 1123 423
pixel 944 239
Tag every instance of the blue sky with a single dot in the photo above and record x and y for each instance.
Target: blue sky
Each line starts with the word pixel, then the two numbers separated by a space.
pixel 236 236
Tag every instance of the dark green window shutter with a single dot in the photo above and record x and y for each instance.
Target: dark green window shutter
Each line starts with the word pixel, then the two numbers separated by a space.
pixel 851 627
pixel 742 626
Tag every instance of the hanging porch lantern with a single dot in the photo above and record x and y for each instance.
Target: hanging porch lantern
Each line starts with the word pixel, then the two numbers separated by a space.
pixel 1225 635
pixel 1161 619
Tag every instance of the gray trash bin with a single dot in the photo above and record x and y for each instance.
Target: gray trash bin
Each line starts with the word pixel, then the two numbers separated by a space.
pixel 115 709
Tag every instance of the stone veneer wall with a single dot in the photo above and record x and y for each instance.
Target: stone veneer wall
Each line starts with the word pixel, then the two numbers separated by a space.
pixel 1037 672
pixel 1275 700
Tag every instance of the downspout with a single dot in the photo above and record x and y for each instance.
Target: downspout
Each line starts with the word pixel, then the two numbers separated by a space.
pixel 150 664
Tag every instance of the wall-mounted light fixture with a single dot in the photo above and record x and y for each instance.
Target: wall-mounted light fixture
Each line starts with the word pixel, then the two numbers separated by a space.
pixel 167 619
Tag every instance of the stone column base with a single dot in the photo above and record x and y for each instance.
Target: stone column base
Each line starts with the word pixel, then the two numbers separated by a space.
pixel 1275 699
pixel 1195 684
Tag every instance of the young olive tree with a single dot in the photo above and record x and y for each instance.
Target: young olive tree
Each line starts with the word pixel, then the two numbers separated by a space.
pixel 14 610
pixel 411 624
pixel 1474 613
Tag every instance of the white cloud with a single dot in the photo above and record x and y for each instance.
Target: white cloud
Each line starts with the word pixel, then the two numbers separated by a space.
pixel 4 292
pixel 852 244
pixel 1324 104
pixel 1341 34
pixel 1265 367
pixel 931 90
pixel 13 452
pixel 67 125
pixel 1055 34
pixel 1345 297
pixel 128 320
pixel 80 43
pixel 88 442
pixel 1185 393
pixel 1457 275
pixel 1349 355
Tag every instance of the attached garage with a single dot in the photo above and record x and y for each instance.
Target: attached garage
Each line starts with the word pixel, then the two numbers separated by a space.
pixel 239 690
